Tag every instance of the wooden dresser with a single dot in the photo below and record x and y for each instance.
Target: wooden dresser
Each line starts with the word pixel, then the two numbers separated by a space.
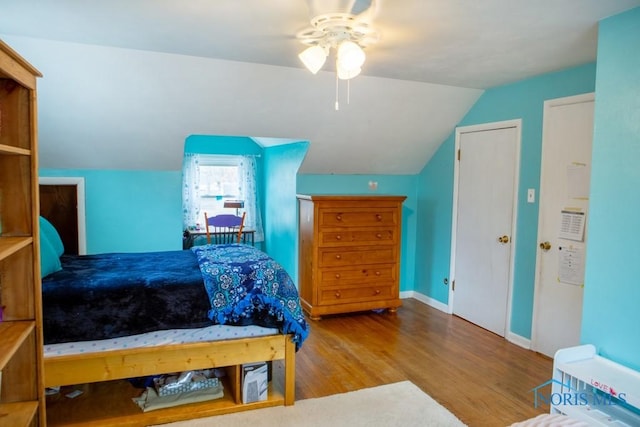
pixel 349 253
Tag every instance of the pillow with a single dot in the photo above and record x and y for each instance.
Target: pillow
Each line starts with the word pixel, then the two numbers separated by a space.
pixel 49 231
pixel 49 259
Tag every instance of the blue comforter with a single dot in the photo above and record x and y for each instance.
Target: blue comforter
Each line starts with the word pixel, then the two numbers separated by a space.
pixel 117 294
pixel 245 285
pixel 112 295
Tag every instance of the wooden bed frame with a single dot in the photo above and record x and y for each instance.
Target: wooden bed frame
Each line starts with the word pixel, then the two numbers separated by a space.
pixel 106 398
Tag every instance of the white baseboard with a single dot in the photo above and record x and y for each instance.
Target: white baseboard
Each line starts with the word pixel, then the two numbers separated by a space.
pixel 427 300
pixel 519 340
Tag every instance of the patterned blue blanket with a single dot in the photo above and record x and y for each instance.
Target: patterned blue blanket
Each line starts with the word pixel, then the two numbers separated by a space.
pixel 245 285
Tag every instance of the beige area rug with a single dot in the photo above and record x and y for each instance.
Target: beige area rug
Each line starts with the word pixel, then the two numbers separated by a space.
pixel 400 404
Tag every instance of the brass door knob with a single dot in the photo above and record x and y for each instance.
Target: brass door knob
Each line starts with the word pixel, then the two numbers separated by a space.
pixel 545 246
pixel 503 239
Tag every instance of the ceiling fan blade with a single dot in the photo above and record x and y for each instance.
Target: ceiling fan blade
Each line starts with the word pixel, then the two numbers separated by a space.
pixel 319 7
pixel 361 6
pixel 369 13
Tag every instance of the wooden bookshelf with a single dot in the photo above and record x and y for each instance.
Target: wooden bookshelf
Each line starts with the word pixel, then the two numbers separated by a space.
pixel 21 362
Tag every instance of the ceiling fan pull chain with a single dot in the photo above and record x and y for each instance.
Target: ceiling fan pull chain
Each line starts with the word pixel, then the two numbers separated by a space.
pixel 337 80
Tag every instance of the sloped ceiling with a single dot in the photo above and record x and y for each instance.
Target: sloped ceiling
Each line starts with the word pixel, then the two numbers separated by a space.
pixel 126 81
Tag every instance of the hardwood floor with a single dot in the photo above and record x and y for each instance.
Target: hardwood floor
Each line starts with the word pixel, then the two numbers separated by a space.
pixel 480 377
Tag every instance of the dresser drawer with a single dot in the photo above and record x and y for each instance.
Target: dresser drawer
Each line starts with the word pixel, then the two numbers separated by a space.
pixel 360 293
pixel 353 217
pixel 356 256
pixel 370 274
pixel 364 236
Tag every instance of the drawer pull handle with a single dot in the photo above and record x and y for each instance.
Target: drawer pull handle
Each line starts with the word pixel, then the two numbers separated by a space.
pixel 337 294
pixel 378 273
pixel 377 292
pixel 338 256
pixel 338 237
pixel 339 217
pixel 337 275
pixel 379 236
pixel 378 217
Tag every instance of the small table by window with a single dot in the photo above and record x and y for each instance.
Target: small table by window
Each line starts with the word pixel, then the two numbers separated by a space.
pixel 190 236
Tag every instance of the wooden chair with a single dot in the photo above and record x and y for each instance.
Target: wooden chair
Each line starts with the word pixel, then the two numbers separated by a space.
pixel 224 228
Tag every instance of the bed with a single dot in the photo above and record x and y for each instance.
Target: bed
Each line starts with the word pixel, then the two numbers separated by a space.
pixel 216 305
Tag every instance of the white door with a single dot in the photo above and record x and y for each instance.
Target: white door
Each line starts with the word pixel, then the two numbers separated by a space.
pixel 564 186
pixel 483 223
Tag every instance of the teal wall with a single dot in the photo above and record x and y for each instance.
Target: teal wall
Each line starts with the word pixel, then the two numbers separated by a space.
pixel 281 164
pixel 522 100
pixel 220 144
pixel 402 185
pixel 433 233
pixel 130 211
pixel 612 289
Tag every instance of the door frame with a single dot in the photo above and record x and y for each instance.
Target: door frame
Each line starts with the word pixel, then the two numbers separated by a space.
pixel 548 104
pixel 78 182
pixel 517 124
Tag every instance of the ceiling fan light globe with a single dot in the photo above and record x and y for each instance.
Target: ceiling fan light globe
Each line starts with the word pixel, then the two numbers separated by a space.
pixel 313 58
pixel 350 55
pixel 346 74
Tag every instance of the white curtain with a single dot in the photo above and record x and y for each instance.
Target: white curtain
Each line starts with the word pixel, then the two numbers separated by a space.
pixel 190 190
pixel 250 194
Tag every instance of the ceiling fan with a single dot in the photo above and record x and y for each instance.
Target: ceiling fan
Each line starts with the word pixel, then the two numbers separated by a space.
pixel 343 25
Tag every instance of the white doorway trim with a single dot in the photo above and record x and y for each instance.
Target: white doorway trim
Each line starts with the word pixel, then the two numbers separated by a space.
pixel 517 124
pixel 78 182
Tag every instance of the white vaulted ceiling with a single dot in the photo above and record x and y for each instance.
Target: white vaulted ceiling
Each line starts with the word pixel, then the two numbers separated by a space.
pixel 126 81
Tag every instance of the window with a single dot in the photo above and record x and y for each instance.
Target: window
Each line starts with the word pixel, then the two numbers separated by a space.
pixel 209 180
pixel 218 182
